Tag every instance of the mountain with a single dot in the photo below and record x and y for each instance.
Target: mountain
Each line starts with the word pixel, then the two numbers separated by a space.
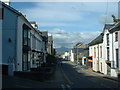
pixel 62 50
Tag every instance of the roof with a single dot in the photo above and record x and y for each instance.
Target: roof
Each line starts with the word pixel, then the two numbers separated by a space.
pixel 10 8
pixel 16 11
pixel 97 40
pixel 108 26
pixel 116 27
pixel 75 50
pixel 32 22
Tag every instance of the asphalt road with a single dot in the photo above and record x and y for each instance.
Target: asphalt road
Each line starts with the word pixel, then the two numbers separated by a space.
pixel 66 77
pixel 77 78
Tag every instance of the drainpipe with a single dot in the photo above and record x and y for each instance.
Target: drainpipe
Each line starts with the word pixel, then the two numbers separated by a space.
pixel 112 52
pixel 98 57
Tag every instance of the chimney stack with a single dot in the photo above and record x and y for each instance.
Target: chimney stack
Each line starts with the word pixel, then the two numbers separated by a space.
pixel 34 24
pixel 6 1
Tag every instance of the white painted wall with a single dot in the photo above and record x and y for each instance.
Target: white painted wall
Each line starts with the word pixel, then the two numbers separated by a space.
pixel 83 61
pixel 71 56
pixel 105 50
pixel 21 21
pixel 119 47
pixel 97 66
pixel 113 46
pixel 19 44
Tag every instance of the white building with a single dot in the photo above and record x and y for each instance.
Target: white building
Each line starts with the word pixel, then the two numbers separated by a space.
pixel 72 56
pixel 23 46
pixel 105 52
pixel 66 55
pixel 115 49
pixel 84 60
pixel 107 48
pixel 96 51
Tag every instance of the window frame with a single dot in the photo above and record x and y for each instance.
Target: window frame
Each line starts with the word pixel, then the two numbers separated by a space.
pixel 116 36
pixel 2 13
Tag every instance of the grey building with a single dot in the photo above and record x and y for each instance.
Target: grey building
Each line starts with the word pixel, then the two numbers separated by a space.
pixel 50 45
pixel 79 51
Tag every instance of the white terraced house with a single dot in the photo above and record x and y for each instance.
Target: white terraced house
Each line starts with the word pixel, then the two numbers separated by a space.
pixel 23 46
pixel 105 50
pixel 115 49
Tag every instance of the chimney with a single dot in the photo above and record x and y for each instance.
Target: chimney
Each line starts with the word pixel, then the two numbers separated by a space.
pixel 6 1
pixel 34 24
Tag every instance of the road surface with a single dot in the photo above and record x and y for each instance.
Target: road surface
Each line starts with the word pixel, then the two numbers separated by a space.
pixel 66 77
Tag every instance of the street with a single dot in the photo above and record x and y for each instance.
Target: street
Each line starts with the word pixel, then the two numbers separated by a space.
pixel 77 78
pixel 67 76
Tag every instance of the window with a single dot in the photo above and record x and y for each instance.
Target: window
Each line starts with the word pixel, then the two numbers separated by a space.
pixel 107 53
pixel 107 36
pixel 33 55
pixel 101 51
pixel 1 13
pixel 116 36
pixel 25 33
pixel 94 52
pixel 33 62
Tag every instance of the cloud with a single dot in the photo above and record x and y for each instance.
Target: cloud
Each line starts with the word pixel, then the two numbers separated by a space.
pixel 49 14
pixel 63 38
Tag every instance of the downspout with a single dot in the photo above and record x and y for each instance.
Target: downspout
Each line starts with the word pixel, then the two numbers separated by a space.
pixel 113 53
pixel 98 57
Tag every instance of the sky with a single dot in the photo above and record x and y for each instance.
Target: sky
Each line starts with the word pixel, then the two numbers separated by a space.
pixel 69 22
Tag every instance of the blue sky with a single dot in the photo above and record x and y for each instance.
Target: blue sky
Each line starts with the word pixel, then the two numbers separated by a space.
pixel 69 22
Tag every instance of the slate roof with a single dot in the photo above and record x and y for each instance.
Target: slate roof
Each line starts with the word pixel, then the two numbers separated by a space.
pixel 16 12
pixel 115 28
pixel 75 50
pixel 108 26
pixel 97 40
